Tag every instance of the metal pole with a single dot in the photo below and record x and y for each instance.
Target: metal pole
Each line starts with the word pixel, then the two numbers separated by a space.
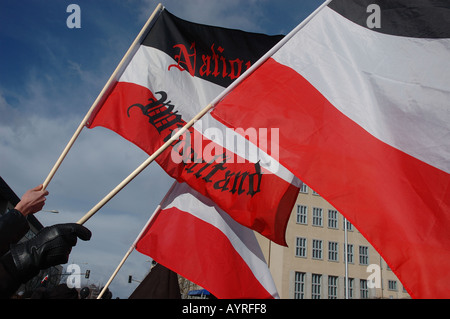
pixel 346 257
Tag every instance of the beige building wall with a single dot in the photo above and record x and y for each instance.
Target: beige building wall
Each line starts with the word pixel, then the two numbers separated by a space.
pixel 301 271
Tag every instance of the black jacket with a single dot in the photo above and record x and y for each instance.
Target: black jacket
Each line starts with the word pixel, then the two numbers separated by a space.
pixel 13 226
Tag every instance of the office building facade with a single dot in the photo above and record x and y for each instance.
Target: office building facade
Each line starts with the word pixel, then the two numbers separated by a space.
pixel 314 267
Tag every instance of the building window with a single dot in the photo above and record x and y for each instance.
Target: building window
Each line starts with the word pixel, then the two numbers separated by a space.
pixel 333 251
pixel 304 189
pixel 392 285
pixel 350 288
pixel 349 225
pixel 363 255
pixel 350 253
pixel 317 249
pixel 300 247
pixel 299 285
pixel 317 216
pixel 316 286
pixel 332 287
pixel 364 291
pixel 315 193
pixel 332 219
pixel 302 214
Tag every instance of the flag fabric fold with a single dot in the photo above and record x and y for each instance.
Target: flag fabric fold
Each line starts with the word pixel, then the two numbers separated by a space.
pixel 178 69
pixel 193 237
pixel 360 95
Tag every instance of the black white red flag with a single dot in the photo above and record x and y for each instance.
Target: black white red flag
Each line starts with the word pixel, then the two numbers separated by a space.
pixel 365 121
pixel 192 236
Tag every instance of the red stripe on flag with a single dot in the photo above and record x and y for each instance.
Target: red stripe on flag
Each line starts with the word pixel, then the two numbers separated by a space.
pixel 202 254
pixel 228 184
pixel 399 203
pixel 113 113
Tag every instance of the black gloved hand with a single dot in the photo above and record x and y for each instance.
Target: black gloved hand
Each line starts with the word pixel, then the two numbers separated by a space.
pixel 50 247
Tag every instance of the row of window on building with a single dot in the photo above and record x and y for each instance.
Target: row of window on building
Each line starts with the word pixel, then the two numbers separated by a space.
pixel 317 217
pixel 332 287
pixel 301 250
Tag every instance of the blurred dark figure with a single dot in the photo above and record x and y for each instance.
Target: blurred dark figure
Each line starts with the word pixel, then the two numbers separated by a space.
pixel 160 283
pixel 59 292
pixel 84 293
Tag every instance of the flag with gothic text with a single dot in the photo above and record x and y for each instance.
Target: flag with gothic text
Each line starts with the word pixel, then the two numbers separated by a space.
pixel 177 70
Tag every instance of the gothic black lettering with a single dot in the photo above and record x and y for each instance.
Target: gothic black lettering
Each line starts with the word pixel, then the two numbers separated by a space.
pixel 213 64
pixel 165 119
pixel 216 168
pixel 160 113
pixel 223 183
pixel 251 181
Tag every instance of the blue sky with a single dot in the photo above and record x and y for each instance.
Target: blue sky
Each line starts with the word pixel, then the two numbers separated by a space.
pixel 49 77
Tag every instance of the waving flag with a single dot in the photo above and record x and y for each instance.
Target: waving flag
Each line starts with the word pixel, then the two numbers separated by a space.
pixel 192 236
pixel 361 96
pixel 177 70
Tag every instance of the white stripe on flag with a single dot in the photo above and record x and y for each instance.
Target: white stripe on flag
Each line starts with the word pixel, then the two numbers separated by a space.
pixel 150 69
pixel 242 239
pixel 394 92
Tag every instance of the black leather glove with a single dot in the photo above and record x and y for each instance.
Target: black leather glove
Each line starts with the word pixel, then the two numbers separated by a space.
pixel 50 247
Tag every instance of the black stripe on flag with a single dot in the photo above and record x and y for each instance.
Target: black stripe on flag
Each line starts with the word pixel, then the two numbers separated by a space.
pixel 408 18
pixel 215 54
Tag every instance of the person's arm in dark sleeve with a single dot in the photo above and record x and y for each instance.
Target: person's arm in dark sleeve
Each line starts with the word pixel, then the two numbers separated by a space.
pixel 8 282
pixel 13 226
pixel 50 247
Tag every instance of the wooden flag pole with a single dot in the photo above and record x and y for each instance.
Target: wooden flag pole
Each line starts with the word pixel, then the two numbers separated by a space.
pixel 133 246
pixel 106 89
pixel 144 165
pixel 130 250
pixel 269 53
